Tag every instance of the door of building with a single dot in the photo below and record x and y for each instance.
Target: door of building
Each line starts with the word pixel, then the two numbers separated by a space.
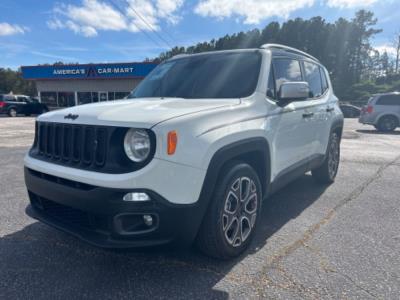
pixel 103 96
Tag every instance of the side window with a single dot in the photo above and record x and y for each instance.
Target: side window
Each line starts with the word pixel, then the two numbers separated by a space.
pixel 313 77
pixel 21 99
pixel 286 69
pixel 324 80
pixel 389 100
pixel 271 91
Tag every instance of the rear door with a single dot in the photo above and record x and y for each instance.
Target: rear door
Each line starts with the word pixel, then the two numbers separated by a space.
pixel 320 106
pixel 388 105
pixel 23 105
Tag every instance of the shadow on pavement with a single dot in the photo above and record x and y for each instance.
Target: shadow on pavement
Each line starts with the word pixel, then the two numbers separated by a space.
pixel 40 262
pixel 371 131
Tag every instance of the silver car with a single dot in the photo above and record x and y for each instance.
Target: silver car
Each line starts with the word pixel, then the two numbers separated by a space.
pixel 382 111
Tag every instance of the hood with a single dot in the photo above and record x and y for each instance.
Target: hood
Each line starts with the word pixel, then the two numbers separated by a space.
pixel 138 112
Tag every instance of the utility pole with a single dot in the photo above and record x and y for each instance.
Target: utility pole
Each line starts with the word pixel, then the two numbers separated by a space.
pixel 397 53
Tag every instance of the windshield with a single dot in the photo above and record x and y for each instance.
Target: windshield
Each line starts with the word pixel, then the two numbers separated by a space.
pixel 225 75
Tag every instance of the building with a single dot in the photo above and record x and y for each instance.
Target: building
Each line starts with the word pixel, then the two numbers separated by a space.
pixel 69 85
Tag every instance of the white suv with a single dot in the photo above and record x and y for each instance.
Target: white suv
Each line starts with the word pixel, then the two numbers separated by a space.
pixel 190 155
pixel 382 111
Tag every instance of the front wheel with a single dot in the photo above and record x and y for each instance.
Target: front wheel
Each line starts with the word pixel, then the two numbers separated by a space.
pixel 12 112
pixel 230 221
pixel 326 173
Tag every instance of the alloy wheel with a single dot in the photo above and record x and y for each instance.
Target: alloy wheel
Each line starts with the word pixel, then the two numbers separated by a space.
pixel 389 124
pixel 334 156
pixel 240 211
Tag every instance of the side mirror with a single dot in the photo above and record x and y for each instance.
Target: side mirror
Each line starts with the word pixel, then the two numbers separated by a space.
pixel 293 91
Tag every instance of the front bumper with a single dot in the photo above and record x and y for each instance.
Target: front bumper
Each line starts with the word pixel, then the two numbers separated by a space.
pixel 99 215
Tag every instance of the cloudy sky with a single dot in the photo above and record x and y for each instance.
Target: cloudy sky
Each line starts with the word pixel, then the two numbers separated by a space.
pixel 33 32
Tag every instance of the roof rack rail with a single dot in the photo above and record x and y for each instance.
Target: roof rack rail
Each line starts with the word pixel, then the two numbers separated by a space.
pixel 180 55
pixel 287 48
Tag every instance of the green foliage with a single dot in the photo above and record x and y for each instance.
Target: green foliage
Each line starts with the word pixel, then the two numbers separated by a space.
pixel 12 81
pixel 342 46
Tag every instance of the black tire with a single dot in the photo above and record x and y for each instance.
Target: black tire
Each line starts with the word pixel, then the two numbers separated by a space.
pixel 219 235
pixel 326 173
pixel 388 123
pixel 12 112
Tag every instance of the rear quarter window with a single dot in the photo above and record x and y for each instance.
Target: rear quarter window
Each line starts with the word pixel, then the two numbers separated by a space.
pixel 313 77
pixel 389 100
pixel 324 80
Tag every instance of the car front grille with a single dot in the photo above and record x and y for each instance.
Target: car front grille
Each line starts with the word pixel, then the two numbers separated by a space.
pixel 87 147
pixel 72 144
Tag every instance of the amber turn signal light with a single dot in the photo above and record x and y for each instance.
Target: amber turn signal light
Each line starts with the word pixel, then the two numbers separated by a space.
pixel 172 142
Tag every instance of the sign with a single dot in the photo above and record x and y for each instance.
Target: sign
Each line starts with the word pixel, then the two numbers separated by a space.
pixel 89 71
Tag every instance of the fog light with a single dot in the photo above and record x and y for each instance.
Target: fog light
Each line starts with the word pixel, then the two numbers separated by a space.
pixel 148 220
pixel 136 197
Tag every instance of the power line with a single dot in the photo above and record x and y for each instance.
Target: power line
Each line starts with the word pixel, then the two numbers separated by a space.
pixel 142 31
pixel 146 23
pixel 151 27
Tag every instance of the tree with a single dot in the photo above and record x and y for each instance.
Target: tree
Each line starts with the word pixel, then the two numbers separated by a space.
pixel 397 46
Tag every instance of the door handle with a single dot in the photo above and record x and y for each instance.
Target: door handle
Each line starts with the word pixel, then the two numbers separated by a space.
pixel 330 109
pixel 308 115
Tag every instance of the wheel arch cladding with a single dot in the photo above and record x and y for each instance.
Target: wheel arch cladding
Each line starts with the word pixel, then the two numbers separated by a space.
pixel 253 151
pixel 337 127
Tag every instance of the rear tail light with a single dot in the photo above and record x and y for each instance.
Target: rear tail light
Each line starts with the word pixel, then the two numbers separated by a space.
pixel 370 109
pixel 2 104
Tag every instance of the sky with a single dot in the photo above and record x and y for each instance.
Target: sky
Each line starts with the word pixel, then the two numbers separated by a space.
pixel 96 31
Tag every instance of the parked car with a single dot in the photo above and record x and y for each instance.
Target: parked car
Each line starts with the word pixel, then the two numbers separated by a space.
pixel 382 111
pixel 350 111
pixel 206 138
pixel 21 104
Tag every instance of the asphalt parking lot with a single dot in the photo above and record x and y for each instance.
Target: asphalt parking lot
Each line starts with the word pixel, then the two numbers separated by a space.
pixel 336 242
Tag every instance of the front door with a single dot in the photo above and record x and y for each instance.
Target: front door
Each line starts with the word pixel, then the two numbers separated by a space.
pixel 294 133
pixel 103 96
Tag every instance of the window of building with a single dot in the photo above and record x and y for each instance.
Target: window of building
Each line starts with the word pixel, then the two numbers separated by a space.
pixel 49 98
pixel 84 97
pixel 313 77
pixel 95 97
pixel 66 99
pixel 120 95
pixel 111 96
pixel 286 69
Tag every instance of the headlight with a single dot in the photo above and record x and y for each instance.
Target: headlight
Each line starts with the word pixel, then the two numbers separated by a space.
pixel 137 144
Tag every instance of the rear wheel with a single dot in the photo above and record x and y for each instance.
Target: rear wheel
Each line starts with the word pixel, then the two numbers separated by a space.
pixel 326 173
pixel 388 123
pixel 12 112
pixel 44 110
pixel 230 221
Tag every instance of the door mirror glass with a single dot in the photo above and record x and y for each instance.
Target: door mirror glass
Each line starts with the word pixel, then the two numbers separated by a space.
pixel 293 91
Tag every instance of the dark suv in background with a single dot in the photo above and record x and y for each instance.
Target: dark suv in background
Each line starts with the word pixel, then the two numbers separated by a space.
pixel 21 104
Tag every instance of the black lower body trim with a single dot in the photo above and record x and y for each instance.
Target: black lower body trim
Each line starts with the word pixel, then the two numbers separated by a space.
pixel 100 216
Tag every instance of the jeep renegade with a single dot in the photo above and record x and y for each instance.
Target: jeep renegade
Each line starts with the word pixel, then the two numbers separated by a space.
pixel 190 155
